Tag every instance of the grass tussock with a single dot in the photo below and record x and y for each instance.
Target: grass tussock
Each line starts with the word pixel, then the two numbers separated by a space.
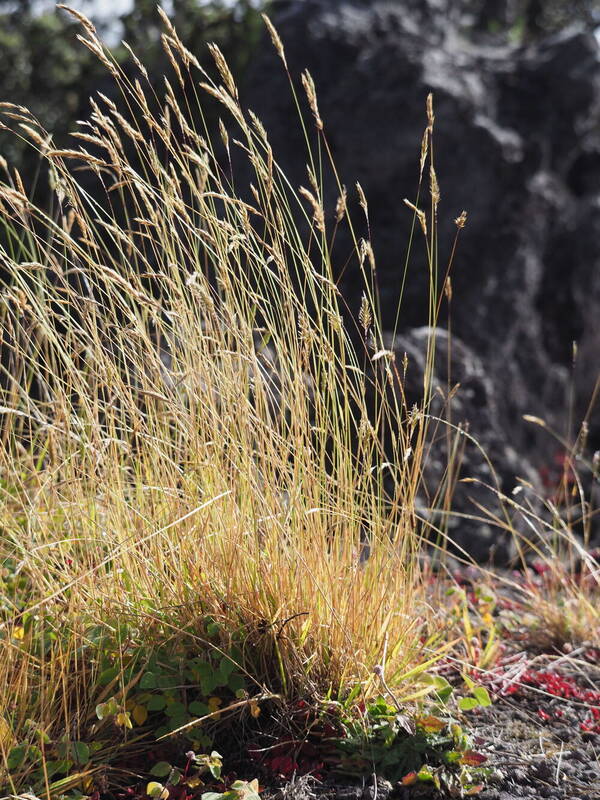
pixel 190 435
pixel 195 431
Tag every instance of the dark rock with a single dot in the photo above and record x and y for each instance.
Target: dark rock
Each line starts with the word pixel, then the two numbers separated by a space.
pixel 465 430
pixel 517 144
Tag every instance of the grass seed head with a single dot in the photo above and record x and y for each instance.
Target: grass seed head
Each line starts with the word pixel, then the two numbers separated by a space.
pixel 419 214
pixel 341 205
pixel 311 94
pixel 430 114
pixel 424 151
pixel 365 316
pixel 224 70
pixel 275 38
pixel 362 200
pixel 434 188
pixel 461 220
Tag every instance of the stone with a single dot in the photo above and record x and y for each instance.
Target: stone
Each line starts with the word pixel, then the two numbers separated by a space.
pixel 517 144
pixel 464 429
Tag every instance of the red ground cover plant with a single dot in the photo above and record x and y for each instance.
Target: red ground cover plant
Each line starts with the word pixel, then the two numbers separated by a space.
pixel 515 678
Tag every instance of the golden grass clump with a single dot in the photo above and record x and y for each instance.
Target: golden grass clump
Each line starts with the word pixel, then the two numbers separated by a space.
pixel 189 429
pixel 186 424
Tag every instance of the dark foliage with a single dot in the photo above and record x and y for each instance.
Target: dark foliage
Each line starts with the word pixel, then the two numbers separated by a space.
pixel 44 67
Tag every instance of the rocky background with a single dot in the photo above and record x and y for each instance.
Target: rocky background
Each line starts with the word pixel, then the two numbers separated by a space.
pixel 517 144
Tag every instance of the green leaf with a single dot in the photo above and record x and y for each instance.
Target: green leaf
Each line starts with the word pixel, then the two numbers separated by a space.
pixel 208 684
pixel 58 767
pixel 212 762
pixel 215 764
pixel 148 681
pixel 31 725
pixel 235 654
pixel 34 753
pixel 107 709
pixel 161 769
pixel 81 752
pixel 468 703
pixel 175 777
pixel 108 676
pixel 156 702
pixel 177 722
pixel 452 757
pixel 442 688
pixel 16 756
pixel 469 681
pixel 236 682
pixel 198 709
pixel 203 668
pixel 212 796
pixel 175 709
pixel 155 789
pixel 226 666
pixel 482 695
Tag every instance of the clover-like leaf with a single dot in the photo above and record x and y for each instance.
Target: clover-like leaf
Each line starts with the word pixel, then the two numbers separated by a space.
pixel 123 720
pixel 16 756
pixel 148 681
pixel 108 676
pixel 431 724
pixel 246 790
pixel 139 714
pixel 156 702
pixel 157 790
pixel 212 795
pixel 482 695
pixel 161 769
pixel 81 752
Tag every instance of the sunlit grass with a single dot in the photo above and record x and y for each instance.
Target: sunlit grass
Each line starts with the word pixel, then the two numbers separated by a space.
pixel 193 423
pixel 189 430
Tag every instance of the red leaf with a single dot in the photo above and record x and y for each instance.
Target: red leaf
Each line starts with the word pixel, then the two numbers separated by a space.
pixel 431 724
pixel 283 766
pixel 472 759
pixel 409 779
